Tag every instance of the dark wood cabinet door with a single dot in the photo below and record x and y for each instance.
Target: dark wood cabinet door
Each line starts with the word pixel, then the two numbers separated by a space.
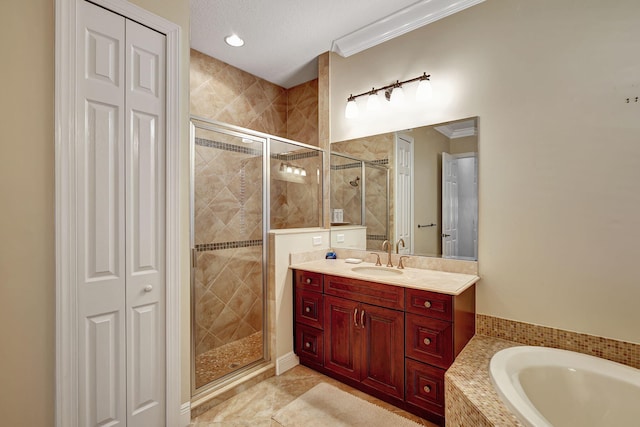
pixel 309 308
pixel 382 349
pixel 429 340
pixel 309 344
pixel 342 337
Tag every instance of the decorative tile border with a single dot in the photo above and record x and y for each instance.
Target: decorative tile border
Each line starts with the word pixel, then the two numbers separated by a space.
pixel 380 237
pixel 227 147
pixel 297 156
pixel 530 334
pixel 227 245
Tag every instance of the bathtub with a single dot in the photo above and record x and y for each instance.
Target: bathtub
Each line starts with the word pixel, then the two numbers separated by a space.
pixel 550 387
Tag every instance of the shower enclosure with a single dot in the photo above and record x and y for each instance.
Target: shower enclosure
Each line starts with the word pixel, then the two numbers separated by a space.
pixel 243 184
pixel 360 192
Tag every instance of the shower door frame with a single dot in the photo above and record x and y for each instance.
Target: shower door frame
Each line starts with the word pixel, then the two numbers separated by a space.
pixel 363 197
pixel 215 126
pixel 268 318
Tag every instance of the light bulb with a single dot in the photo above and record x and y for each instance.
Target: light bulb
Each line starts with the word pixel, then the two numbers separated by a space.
pixel 234 40
pixel 303 172
pixel 296 171
pixel 424 91
pixel 351 112
pixel 397 96
pixel 289 169
pixel 373 102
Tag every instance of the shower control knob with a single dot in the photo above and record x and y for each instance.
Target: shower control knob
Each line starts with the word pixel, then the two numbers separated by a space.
pixel 148 288
pixel 427 304
pixel 426 389
pixel 426 341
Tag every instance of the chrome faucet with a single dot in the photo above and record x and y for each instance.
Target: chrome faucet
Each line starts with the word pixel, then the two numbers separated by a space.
pixel 386 246
pixel 398 244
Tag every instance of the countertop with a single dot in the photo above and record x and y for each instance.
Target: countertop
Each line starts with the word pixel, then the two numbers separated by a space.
pixel 416 278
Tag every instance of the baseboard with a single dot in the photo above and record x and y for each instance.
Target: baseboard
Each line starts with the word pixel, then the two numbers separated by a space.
pixel 286 362
pixel 185 414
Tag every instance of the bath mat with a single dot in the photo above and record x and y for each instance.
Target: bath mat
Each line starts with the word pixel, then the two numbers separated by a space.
pixel 325 405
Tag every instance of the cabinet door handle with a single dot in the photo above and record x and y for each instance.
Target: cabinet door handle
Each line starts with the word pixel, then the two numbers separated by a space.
pixel 426 389
pixel 362 319
pixel 307 345
pixel 307 309
pixel 427 304
pixel 355 317
pixel 308 281
pixel 426 341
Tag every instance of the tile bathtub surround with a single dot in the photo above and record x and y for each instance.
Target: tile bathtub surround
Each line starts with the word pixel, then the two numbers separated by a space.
pixel 530 334
pixel 470 399
pixel 469 393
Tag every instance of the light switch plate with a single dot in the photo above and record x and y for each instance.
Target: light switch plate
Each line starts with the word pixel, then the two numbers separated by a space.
pixel 317 240
pixel 340 238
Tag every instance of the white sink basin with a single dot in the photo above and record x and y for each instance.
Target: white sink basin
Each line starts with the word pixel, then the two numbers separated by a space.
pixel 377 271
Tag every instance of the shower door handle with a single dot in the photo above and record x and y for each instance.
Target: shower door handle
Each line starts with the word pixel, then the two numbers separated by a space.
pixel 194 258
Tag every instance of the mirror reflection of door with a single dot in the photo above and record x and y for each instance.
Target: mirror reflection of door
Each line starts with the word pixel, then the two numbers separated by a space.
pixel 459 206
pixel 404 193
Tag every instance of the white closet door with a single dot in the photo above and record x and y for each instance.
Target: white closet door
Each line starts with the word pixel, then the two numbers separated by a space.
pixel 145 225
pixel 100 217
pixel 121 220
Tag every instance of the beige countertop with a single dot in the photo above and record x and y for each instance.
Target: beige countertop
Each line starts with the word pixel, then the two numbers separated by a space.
pixel 416 278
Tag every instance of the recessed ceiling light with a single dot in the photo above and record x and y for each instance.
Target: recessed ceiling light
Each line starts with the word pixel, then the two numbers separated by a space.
pixel 234 40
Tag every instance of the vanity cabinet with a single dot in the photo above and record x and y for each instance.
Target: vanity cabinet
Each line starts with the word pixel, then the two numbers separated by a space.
pixel 389 341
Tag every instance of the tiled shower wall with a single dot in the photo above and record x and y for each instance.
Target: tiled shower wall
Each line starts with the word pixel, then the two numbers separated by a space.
pixel 228 281
pixel 376 149
pixel 228 240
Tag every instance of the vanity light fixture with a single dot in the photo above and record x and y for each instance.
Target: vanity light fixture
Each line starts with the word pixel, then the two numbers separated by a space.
pixel 234 40
pixel 393 93
pixel 351 112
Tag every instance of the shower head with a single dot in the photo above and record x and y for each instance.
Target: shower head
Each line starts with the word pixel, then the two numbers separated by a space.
pixel 354 183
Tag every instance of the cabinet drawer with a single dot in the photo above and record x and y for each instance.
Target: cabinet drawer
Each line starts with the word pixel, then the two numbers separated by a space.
pixel 309 344
pixel 367 292
pixel 425 386
pixel 308 280
pixel 429 340
pixel 432 304
pixel 309 308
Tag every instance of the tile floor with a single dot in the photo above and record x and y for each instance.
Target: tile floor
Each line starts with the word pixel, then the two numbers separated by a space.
pixel 255 406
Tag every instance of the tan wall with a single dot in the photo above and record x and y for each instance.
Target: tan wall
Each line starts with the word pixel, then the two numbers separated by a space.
pixel 27 255
pixel 429 144
pixel 466 144
pixel 559 190
pixel 27 261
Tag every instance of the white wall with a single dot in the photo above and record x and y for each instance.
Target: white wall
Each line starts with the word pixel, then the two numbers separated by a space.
pixel 559 158
pixel 287 242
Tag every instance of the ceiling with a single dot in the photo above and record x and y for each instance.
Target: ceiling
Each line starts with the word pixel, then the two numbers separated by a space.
pixel 283 38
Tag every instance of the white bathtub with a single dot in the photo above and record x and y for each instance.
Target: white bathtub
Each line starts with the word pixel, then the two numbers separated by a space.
pixel 550 387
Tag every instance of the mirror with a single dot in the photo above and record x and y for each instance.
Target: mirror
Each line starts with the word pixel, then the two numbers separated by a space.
pixel 419 185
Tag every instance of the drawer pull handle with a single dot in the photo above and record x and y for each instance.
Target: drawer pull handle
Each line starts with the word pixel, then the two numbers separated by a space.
pixel 307 309
pixel 308 281
pixel 426 389
pixel 427 304
pixel 426 341
pixel 307 345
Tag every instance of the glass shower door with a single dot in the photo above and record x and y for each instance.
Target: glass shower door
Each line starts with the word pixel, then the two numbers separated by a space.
pixel 228 244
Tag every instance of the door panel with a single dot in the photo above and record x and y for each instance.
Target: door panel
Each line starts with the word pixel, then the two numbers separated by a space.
pixel 342 350
pixel 145 222
pixel 100 217
pixel 383 349
pixel 404 192
pixel 449 206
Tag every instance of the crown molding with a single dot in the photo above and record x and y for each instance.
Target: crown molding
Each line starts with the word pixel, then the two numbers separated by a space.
pixel 398 23
pixel 452 133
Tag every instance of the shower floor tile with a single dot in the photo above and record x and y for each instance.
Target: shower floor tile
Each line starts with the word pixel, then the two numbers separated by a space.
pixel 223 360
